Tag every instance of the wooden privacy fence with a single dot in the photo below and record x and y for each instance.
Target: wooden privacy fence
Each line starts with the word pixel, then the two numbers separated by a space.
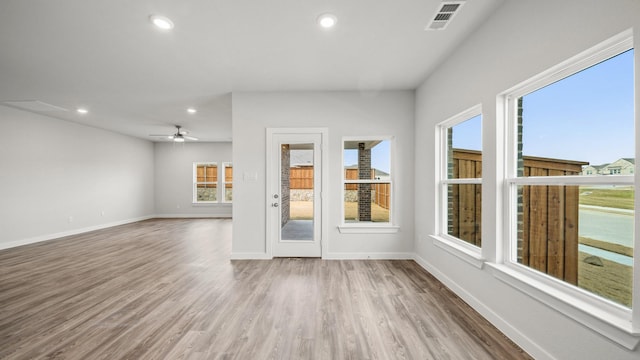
pixel 547 215
pixel 209 173
pixel 301 178
pixel 228 177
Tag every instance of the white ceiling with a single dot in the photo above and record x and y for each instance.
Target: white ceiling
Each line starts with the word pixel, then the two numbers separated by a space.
pixel 105 55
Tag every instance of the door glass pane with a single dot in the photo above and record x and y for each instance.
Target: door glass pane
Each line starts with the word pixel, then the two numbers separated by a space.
pixel 297 189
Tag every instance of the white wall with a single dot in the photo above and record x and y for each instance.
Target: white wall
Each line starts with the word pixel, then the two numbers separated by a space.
pixel 522 39
pixel 57 178
pixel 174 178
pixel 344 114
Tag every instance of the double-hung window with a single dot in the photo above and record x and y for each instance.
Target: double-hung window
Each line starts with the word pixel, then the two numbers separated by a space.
pixel 227 182
pixel 367 178
pixel 205 182
pixel 570 189
pixel 459 176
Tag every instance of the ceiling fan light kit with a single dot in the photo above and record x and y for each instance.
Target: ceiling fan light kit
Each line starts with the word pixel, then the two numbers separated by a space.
pixel 179 136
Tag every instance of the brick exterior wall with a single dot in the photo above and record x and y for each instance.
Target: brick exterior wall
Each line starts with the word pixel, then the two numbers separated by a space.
pixel 285 165
pixel 520 219
pixel 450 176
pixel 364 190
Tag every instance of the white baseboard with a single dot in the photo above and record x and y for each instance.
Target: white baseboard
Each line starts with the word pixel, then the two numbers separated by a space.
pixel 192 216
pixel 368 256
pixel 332 256
pixel 37 239
pixel 510 331
pixel 250 256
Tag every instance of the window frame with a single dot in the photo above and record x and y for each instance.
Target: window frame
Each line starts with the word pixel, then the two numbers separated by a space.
pixel 608 318
pixel 462 249
pixel 194 188
pixel 368 226
pixel 224 182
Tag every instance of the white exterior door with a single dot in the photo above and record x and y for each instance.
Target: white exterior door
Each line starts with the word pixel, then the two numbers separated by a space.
pixel 294 193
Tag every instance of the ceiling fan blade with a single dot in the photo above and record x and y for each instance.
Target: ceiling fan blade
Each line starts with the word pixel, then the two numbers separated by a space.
pixel 160 135
pixel 190 138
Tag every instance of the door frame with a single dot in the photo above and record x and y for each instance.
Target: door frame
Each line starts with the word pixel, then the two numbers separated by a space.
pixel 273 169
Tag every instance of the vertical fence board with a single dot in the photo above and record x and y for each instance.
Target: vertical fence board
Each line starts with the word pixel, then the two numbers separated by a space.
pixel 538 224
pixel 555 230
pixel 571 194
pixel 526 213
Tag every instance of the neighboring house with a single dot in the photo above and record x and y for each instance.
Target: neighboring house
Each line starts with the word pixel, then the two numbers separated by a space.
pixel 593 169
pixel 300 158
pixel 622 166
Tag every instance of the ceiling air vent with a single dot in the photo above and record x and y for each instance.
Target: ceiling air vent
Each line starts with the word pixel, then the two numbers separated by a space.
pixel 444 15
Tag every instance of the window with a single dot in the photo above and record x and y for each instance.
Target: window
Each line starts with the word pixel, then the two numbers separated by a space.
pixel 228 182
pixel 460 177
pixel 367 181
pixel 205 182
pixel 570 232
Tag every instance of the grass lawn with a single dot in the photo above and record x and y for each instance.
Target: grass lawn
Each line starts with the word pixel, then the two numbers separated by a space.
pixel 303 210
pixel 620 197
pixel 611 280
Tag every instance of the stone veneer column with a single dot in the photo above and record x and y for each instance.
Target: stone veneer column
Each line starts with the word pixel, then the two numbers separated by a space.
pixel 285 187
pixel 364 190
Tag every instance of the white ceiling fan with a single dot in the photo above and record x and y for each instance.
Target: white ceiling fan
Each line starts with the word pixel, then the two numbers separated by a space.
pixel 179 136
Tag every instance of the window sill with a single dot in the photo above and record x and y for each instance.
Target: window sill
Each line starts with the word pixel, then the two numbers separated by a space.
pixel 615 325
pixel 208 204
pixel 368 229
pixel 467 253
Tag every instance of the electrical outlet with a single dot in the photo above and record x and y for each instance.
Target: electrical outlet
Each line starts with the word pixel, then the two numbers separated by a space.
pixel 70 219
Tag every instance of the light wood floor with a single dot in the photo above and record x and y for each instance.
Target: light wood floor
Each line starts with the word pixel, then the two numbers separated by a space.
pixel 165 289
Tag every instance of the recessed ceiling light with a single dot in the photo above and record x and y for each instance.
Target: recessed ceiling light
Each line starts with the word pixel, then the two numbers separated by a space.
pixel 82 111
pixel 192 110
pixel 161 22
pixel 327 21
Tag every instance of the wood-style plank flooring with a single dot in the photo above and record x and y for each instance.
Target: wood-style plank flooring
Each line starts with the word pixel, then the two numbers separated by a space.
pixel 166 289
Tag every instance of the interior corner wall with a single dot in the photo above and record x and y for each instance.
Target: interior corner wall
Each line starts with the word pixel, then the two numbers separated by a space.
pixel 174 178
pixel 521 39
pixel 343 114
pixel 59 178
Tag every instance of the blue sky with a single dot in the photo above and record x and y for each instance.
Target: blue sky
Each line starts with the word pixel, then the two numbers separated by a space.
pixel 586 117
pixel 468 134
pixel 380 156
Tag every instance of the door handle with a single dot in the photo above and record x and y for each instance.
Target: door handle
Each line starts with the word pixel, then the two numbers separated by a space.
pixel 274 205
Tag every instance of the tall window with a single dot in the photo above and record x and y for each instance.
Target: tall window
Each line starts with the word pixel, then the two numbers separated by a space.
pixel 228 181
pixel 570 181
pixel 205 182
pixel 367 181
pixel 460 176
